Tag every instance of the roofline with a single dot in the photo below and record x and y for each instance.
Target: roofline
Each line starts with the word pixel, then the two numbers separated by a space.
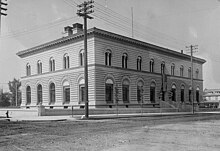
pixel 112 35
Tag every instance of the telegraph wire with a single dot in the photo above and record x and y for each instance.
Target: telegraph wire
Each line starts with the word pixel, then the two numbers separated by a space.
pixel 36 28
pixel 113 16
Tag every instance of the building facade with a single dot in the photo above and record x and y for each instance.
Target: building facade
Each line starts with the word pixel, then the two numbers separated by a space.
pixel 211 95
pixel 119 67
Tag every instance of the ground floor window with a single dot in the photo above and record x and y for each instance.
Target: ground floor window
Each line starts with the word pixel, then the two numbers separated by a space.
pixel 197 95
pixel 109 93
pixel 52 93
pixel 82 93
pixel 190 94
pixel 152 92
pixel 140 91
pixel 173 90
pixel 28 95
pixel 125 91
pixel 39 94
pixel 182 94
pixel 66 92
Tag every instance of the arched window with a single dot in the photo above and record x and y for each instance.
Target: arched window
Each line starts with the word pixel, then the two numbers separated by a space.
pixel 82 91
pixel 39 94
pixel 39 67
pixel 139 61
pixel 173 90
pixel 66 92
pixel 28 95
pixel 125 91
pixel 197 94
pixel 172 69
pixel 140 91
pixel 182 93
pixel 124 60
pixel 163 68
pixel 109 91
pixel 197 73
pixel 152 92
pixel 189 72
pixel 181 70
pixel 108 57
pixel 52 93
pixel 52 64
pixel 190 94
pixel 28 69
pixel 81 57
pixel 151 65
pixel 66 61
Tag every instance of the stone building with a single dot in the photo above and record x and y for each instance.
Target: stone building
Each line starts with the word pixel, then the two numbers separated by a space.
pixel 53 73
pixel 211 95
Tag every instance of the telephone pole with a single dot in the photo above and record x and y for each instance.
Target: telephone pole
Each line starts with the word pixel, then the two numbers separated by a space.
pixel 1 13
pixel 84 11
pixel 192 47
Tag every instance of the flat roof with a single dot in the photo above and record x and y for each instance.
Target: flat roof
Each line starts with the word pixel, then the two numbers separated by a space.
pixel 95 31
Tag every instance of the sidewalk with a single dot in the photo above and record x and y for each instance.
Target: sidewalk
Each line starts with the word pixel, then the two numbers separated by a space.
pixel 93 117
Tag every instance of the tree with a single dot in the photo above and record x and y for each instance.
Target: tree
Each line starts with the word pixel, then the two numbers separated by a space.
pixel 14 89
pixel 5 99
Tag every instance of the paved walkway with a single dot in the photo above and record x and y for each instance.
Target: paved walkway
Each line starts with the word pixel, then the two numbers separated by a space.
pixel 32 118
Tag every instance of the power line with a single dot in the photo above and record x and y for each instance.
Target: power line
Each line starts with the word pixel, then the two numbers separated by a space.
pixel 36 28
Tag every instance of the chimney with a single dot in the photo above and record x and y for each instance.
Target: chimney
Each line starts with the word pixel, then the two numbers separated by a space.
pixel 77 27
pixel 182 51
pixel 68 30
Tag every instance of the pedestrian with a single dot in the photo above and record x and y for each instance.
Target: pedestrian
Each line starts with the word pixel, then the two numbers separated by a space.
pixel 7 114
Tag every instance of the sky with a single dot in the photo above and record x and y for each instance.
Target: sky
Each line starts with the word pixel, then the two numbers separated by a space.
pixel 173 24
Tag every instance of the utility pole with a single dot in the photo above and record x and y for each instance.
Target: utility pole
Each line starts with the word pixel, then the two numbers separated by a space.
pixel 84 11
pixel 16 94
pixel 192 47
pixel 1 13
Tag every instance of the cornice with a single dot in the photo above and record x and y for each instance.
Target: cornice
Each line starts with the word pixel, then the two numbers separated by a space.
pixel 99 32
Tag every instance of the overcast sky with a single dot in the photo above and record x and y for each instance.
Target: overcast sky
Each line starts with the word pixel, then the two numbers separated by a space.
pixel 173 24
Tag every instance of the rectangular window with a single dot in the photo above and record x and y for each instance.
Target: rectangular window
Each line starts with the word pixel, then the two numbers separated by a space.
pixel 190 97
pixel 152 94
pixel 125 89
pixel 139 94
pixel 82 93
pixel 182 95
pixel 66 95
pixel 109 93
pixel 197 96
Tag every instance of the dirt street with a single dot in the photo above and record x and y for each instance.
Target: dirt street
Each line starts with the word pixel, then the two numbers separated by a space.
pixel 167 133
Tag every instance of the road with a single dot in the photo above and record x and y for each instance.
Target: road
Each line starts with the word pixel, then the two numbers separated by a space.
pixel 183 133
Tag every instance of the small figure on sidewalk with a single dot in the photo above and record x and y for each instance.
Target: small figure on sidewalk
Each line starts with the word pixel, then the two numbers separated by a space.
pixel 7 116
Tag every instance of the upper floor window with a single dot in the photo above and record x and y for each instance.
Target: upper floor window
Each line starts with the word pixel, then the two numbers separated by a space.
pixel 66 61
pixel 152 65
pixel 163 68
pixel 197 73
pixel 172 69
pixel 52 64
pixel 181 70
pixel 108 57
pixel 39 67
pixel 28 69
pixel 139 61
pixel 81 57
pixel 124 60
pixel 189 72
